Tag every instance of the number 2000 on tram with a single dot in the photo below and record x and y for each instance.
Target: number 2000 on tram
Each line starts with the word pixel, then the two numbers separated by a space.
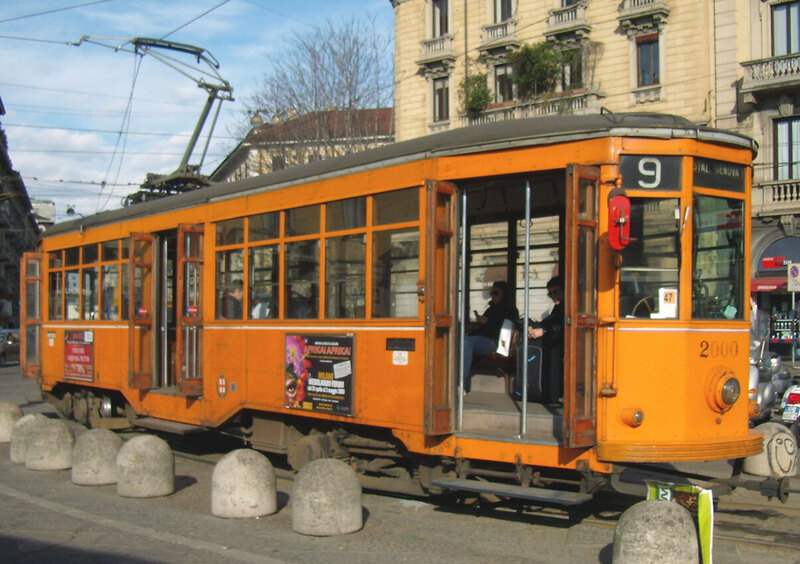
pixel 320 311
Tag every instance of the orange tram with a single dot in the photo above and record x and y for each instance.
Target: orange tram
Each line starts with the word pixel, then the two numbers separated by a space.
pixel 319 311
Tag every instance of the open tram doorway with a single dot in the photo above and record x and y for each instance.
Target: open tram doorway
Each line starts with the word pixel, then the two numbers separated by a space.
pixel 166 317
pixel 525 230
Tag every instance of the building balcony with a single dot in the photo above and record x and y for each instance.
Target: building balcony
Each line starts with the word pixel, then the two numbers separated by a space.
pixel 436 50
pixel 576 102
pixel 499 35
pixel 633 14
pixel 775 74
pixel 568 21
pixel 777 197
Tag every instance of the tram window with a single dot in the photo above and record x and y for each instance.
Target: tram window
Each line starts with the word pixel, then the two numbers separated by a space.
pixel 56 259
pixel 544 259
pixel 230 284
pixel 109 294
pixel 126 249
pixel 72 257
pixel 89 293
pixel 110 250
pixel 263 226
pixel 302 279
pixel 345 276
pixel 395 207
pixel 72 294
pixel 718 251
pixel 264 282
pixel 55 306
pixel 395 271
pixel 302 221
pixel 488 260
pixel 89 254
pixel 649 270
pixel 230 232
pixel 346 214
pixel 125 286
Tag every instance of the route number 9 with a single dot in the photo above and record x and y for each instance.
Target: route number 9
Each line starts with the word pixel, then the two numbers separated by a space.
pixel 650 169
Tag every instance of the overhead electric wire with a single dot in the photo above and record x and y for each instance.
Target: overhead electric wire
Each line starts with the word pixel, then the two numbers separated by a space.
pixel 88 130
pixel 55 10
pixel 195 19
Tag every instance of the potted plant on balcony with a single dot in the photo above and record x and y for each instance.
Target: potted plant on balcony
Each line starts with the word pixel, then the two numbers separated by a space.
pixel 537 68
pixel 476 94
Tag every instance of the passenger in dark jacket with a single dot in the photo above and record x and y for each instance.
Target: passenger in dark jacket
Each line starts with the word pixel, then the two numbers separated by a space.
pixel 551 332
pixel 483 340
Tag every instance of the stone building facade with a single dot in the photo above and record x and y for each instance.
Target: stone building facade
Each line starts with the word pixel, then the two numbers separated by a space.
pixel 732 64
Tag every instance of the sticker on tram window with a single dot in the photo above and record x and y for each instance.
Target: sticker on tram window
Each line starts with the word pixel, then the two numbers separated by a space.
pixel 318 374
pixel 650 172
pixel 709 173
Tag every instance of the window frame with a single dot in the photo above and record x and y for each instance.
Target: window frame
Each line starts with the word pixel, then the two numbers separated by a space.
pixel 792 147
pixel 792 13
pixel 650 44
pixel 441 99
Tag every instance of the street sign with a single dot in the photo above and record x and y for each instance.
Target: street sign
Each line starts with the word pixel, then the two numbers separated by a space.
pixel 793 277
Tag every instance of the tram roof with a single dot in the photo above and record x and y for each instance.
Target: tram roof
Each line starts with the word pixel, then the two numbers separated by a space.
pixel 474 139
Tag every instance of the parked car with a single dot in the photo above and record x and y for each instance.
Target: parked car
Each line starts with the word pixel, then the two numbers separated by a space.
pixel 9 346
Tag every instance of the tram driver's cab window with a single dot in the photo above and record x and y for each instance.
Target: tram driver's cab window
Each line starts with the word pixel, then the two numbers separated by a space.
pixel 650 262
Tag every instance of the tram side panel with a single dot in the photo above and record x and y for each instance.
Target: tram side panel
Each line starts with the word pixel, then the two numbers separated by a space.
pixel 665 404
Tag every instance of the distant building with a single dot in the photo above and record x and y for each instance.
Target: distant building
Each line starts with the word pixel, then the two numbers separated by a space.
pixel 297 140
pixel 18 233
pixel 44 211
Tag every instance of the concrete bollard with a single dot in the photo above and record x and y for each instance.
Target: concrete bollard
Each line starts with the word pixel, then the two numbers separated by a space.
pixel 326 499
pixel 19 437
pixel 10 413
pixel 779 456
pixel 655 532
pixel 50 443
pixel 145 468
pixel 243 485
pixel 94 458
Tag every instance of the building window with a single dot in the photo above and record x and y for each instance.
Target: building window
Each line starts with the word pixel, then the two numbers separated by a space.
pixel 278 162
pixel 503 84
pixel 502 10
pixel 440 22
pixel 786 29
pixel 441 99
pixel 787 148
pixel 647 59
pixel 571 70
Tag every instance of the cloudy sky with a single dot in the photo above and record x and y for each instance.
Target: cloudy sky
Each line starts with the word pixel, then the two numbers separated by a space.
pixel 65 105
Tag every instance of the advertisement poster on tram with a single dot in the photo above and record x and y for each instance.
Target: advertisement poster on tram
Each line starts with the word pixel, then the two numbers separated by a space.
pixel 319 373
pixel 79 355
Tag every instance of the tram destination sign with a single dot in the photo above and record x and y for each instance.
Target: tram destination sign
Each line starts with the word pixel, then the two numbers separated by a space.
pixel 318 374
pixel 709 173
pixel 650 172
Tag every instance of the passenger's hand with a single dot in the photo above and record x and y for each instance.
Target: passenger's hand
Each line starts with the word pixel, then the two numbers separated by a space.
pixel 535 332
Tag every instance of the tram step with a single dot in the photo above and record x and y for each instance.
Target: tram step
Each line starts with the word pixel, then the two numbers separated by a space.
pixel 509 490
pixel 173 427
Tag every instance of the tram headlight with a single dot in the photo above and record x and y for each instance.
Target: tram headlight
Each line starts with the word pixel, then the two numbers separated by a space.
pixel 723 390
pixel 730 391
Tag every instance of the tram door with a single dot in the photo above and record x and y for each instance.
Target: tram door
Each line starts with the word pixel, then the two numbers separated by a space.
pixel 166 318
pixel 580 306
pixel 31 314
pixel 437 292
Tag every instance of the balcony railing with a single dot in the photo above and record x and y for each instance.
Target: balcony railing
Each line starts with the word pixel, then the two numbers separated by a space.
pixel 640 8
pixel 568 19
pixel 499 35
pixel 577 103
pixel 436 49
pixel 777 196
pixel 774 73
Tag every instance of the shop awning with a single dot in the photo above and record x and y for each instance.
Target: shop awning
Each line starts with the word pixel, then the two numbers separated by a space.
pixel 768 284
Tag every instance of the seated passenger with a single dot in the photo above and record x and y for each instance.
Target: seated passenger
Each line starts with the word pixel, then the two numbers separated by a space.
pixel 483 340
pixel 551 333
